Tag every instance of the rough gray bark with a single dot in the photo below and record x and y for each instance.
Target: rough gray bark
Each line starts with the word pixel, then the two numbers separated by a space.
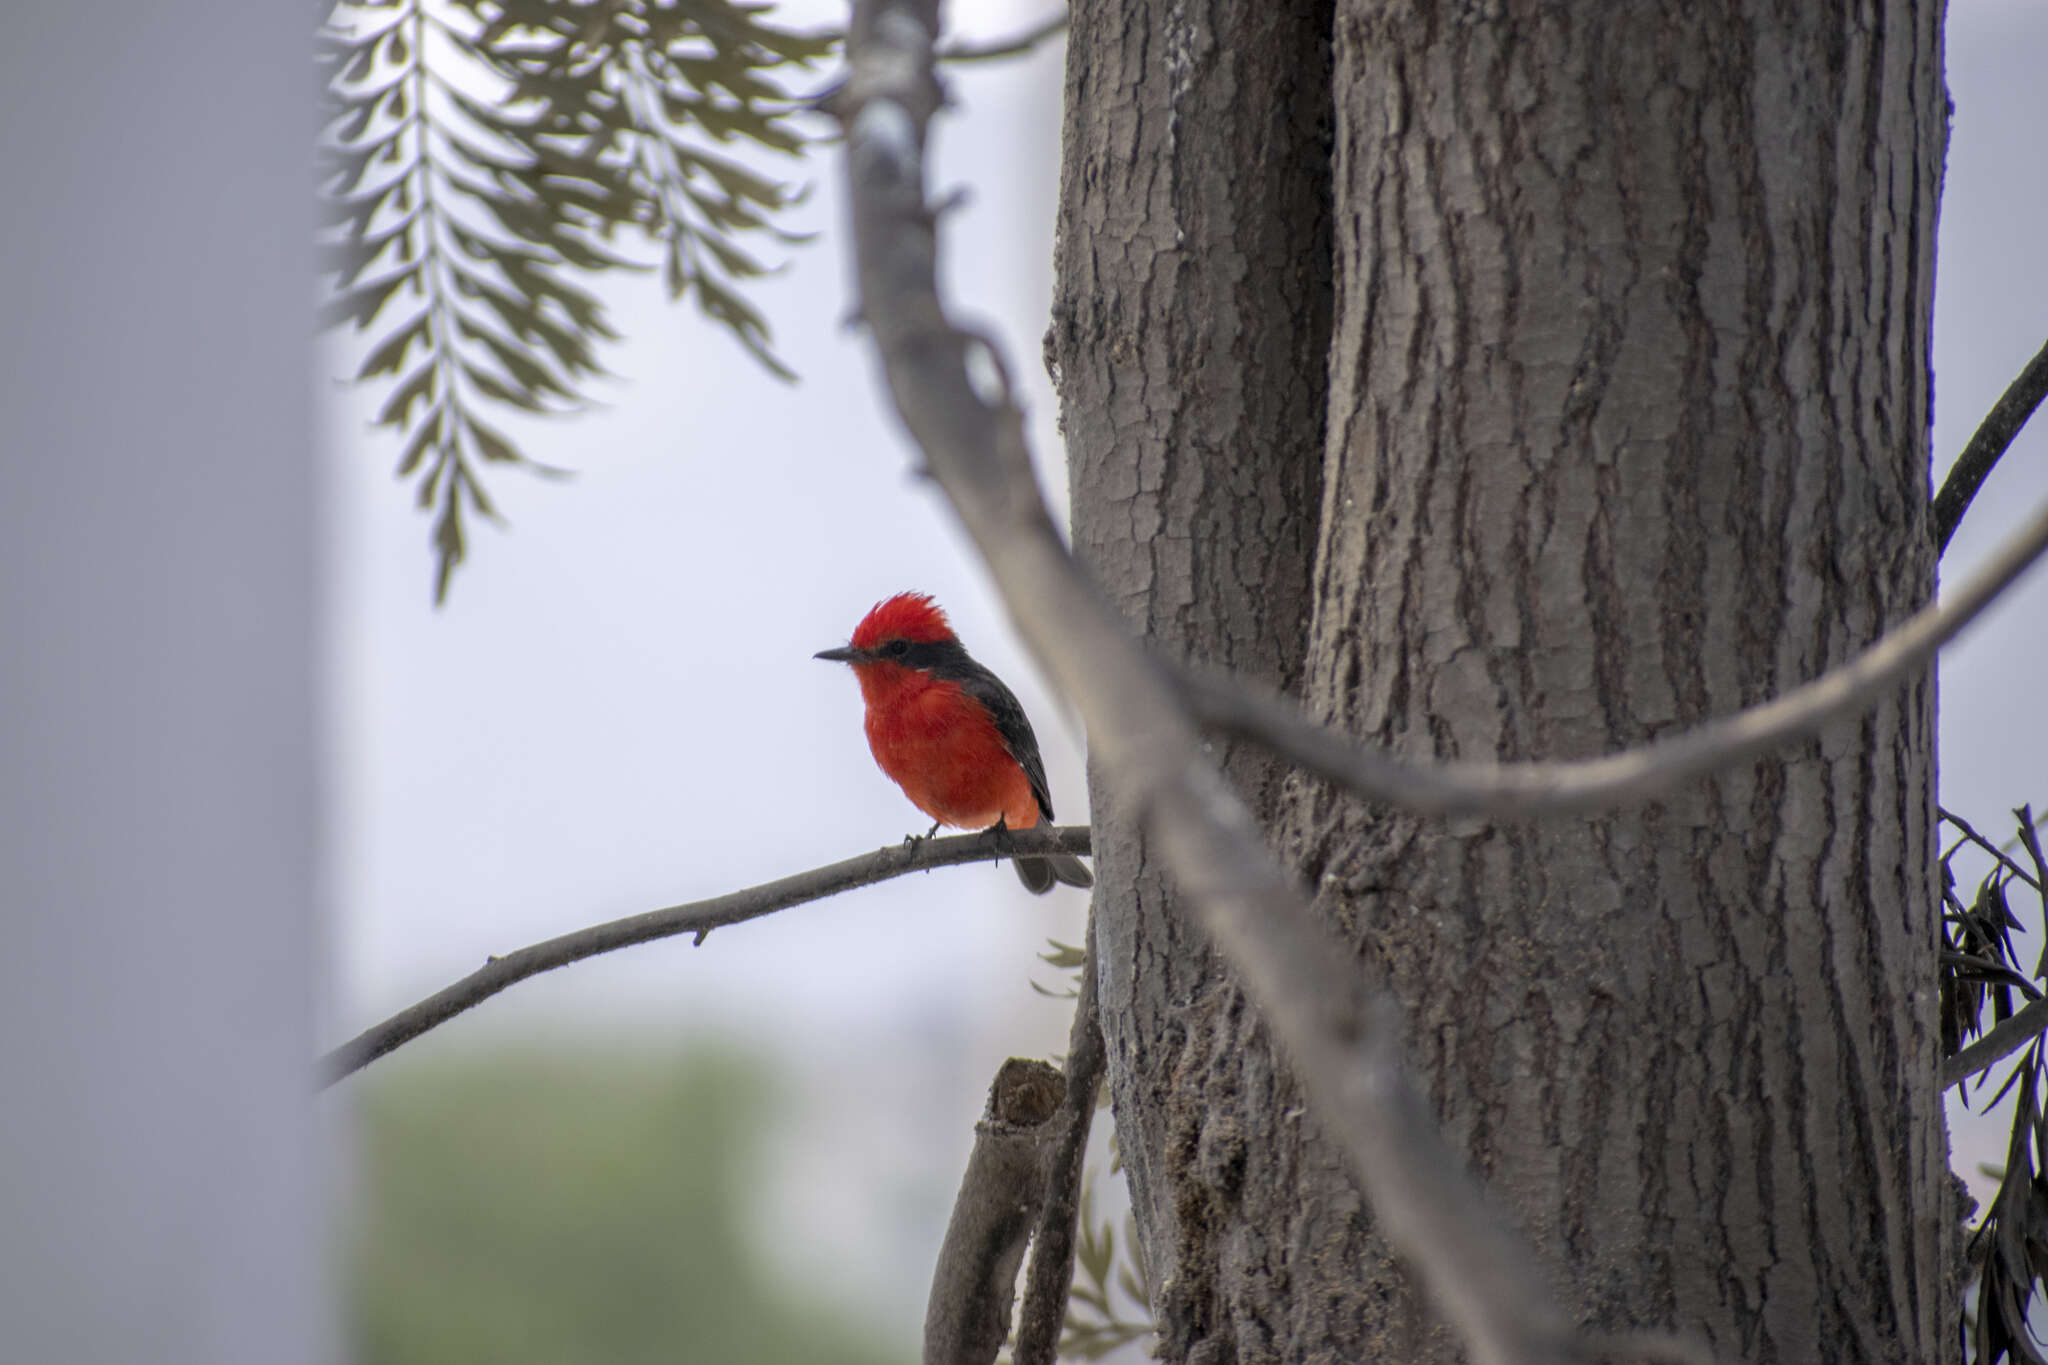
pixel 1188 343
pixel 968 1314
pixel 1627 417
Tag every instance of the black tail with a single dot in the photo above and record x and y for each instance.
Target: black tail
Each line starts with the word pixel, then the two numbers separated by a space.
pixel 1039 874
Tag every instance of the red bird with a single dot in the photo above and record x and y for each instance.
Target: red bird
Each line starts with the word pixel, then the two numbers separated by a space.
pixel 948 731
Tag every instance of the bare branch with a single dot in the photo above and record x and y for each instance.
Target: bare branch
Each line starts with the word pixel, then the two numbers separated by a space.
pixel 1997 1043
pixel 1521 791
pixel 956 53
pixel 1304 981
pixel 1984 968
pixel 1052 1245
pixel 1970 835
pixel 976 1280
pixel 1993 436
pixel 695 917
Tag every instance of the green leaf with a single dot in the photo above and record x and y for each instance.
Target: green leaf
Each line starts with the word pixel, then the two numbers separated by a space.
pixel 449 543
pixel 527 178
pixel 397 409
pixel 742 321
pixel 420 442
pixel 466 482
pixel 493 446
pixel 389 355
pixel 527 371
pixel 361 305
pixel 1065 956
pixel 491 387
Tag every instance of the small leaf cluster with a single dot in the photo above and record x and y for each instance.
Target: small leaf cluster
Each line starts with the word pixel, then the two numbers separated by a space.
pixel 1064 957
pixel 1094 1327
pixel 484 159
pixel 1981 972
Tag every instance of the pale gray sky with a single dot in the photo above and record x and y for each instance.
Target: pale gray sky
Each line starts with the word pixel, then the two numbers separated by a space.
pixel 1990 316
pixel 618 710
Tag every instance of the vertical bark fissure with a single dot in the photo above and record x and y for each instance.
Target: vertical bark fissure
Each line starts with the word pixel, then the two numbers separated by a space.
pixel 1189 335
pixel 1622 425
pixel 1716 484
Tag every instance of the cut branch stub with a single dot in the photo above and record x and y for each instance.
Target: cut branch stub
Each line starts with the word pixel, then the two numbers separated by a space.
pixel 976 1280
pixel 1026 1093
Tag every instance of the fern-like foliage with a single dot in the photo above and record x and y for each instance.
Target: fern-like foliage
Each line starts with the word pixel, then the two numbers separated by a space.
pixel 484 158
pixel 1982 973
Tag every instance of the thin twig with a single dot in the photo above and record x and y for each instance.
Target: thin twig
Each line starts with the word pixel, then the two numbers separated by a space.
pixel 2010 844
pixel 1996 1044
pixel 2031 841
pixel 1304 981
pixel 1986 969
pixel 1051 1273
pixel 1993 437
pixel 1522 791
pixel 695 917
pixel 1970 835
pixel 975 1282
pixel 2029 838
pixel 954 54
pixel 966 54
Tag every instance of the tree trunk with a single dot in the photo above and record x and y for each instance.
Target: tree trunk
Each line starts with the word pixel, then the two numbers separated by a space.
pixel 1625 427
pixel 1189 345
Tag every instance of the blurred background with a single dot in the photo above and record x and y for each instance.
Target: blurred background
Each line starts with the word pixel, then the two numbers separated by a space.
pixel 740 1151
pixel 617 709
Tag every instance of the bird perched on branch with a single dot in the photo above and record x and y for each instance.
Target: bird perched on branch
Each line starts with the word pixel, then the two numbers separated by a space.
pixel 948 731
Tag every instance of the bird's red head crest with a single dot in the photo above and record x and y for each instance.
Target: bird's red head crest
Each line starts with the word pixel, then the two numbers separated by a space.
pixel 906 616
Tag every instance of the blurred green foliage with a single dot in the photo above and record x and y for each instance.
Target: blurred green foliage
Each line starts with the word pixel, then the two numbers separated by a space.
pixel 551 1207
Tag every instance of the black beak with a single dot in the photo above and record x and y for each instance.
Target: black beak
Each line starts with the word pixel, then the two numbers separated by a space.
pixel 845 654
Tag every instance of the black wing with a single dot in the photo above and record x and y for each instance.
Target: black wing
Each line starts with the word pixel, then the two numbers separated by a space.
pixel 950 660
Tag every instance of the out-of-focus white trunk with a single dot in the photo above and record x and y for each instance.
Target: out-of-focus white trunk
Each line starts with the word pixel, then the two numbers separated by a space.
pixel 158 1176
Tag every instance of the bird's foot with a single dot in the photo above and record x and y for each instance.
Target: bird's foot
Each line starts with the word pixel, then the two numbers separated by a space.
pixel 911 841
